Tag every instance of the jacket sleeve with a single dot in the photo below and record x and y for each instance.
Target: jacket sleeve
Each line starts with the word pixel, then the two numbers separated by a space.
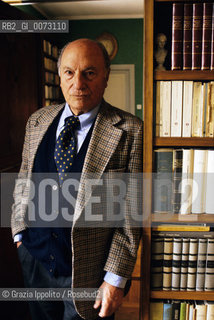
pixel 123 250
pixel 21 185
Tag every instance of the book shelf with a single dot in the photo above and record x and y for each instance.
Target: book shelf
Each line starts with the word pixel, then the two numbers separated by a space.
pixel 51 92
pixel 151 142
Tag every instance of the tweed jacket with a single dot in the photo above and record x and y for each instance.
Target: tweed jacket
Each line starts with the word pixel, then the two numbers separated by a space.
pixel 115 146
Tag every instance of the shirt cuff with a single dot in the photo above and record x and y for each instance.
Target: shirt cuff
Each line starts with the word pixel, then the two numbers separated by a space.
pixel 18 237
pixel 115 280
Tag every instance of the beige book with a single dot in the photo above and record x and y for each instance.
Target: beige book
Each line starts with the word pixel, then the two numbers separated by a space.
pixel 187 109
pixel 210 311
pixel 198 109
pixel 176 111
pixel 209 121
pixel 158 123
pixel 201 312
pixel 167 263
pixel 165 108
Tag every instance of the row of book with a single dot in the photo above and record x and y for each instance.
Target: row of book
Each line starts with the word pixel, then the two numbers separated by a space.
pixel 51 78
pixel 183 181
pixel 192 36
pixel 52 92
pixel 50 49
pixel 50 64
pixel 184 109
pixel 180 310
pixel 182 261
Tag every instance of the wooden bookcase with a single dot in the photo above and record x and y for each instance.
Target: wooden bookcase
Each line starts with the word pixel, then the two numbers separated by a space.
pixel 150 143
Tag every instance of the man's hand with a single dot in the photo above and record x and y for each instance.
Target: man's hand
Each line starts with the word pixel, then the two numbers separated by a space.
pixel 111 299
pixel 18 243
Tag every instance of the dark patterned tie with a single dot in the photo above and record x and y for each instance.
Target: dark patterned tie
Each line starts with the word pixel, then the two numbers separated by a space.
pixel 65 149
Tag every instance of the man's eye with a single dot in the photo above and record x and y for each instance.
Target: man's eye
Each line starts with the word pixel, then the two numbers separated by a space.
pixel 68 72
pixel 90 74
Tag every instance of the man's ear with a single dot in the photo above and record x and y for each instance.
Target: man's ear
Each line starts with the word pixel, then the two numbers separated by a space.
pixel 107 74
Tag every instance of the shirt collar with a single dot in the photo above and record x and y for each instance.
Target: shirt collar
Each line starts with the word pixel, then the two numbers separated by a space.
pixel 85 118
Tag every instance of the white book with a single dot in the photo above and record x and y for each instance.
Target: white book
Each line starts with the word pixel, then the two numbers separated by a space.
pixel 176 263
pixel 186 183
pixel 187 109
pixel 209 201
pixel 198 109
pixel 191 307
pixel 201 264
pixel 184 264
pixel 192 264
pixel 165 108
pixel 176 118
pixel 199 181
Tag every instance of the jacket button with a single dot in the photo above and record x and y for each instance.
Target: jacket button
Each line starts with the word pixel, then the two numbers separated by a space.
pixel 54 235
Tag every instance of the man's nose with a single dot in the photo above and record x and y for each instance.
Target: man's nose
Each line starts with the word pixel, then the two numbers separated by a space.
pixel 79 81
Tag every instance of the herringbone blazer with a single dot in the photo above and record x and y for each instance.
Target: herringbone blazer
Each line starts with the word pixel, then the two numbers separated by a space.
pixel 115 146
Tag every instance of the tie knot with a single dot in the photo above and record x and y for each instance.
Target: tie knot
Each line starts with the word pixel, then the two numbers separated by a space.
pixel 72 122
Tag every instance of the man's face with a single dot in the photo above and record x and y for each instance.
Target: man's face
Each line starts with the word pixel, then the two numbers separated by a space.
pixel 83 76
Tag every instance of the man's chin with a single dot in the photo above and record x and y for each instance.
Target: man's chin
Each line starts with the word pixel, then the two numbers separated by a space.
pixel 79 107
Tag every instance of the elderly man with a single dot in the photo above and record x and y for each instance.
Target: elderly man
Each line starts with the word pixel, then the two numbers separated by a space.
pixel 85 135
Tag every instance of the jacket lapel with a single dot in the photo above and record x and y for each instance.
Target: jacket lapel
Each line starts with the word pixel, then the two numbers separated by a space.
pixel 103 143
pixel 41 125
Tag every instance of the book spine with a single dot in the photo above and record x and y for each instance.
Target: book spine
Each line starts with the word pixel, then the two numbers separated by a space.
pixel 187 37
pixel 192 265
pixel 176 310
pixel 199 181
pixel 201 264
pixel 177 175
pixel 212 42
pixel 157 264
pixel 176 118
pixel 209 202
pixel 177 35
pixel 187 108
pixel 167 263
pixel 162 185
pixel 156 310
pixel 209 272
pixel 167 311
pixel 197 35
pixel 209 131
pixel 186 182
pixel 184 264
pixel 197 109
pixel 183 311
pixel 206 36
pixel 201 311
pixel 176 263
pixel 210 311
pixel 158 121
pixel 166 108
pixel 184 234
